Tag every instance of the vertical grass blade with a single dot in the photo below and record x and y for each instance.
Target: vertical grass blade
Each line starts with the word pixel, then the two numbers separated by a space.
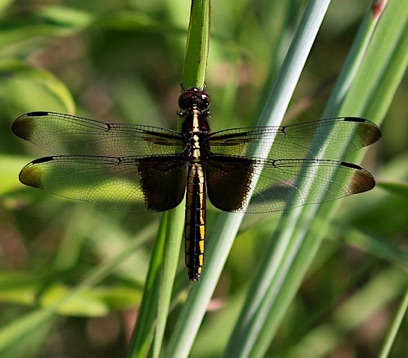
pixel 220 242
pixel 392 332
pixel 157 296
pixel 144 330
pixel 198 44
pixel 284 266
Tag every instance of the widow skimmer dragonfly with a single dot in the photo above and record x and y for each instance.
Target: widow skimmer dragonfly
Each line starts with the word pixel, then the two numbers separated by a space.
pixel 133 167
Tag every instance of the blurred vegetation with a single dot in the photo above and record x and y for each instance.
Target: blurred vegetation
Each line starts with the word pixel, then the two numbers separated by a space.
pixel 122 61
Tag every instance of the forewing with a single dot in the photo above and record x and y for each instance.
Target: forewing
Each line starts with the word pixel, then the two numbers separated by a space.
pixel 294 141
pixel 281 183
pixel 71 135
pixel 127 183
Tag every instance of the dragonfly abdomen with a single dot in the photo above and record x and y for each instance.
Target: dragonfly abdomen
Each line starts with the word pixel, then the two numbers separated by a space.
pixel 195 221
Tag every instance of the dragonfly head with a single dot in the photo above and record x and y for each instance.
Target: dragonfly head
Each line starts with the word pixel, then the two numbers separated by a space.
pixel 194 98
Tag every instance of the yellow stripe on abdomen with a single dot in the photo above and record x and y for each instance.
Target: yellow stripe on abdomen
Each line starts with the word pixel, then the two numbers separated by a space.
pixel 195 221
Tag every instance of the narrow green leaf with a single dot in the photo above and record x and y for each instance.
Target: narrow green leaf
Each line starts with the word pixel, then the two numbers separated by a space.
pixel 393 330
pixel 285 263
pixel 20 80
pixel 399 188
pixel 197 48
pixel 144 330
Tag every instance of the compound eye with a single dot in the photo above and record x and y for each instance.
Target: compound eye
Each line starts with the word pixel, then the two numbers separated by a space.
pixel 185 100
pixel 203 100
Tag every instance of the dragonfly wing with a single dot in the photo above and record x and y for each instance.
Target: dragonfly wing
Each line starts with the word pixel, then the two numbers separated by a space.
pixel 128 183
pixel 294 141
pixel 71 135
pixel 228 181
pixel 281 183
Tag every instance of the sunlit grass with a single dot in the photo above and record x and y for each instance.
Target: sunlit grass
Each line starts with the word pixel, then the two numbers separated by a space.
pixel 126 65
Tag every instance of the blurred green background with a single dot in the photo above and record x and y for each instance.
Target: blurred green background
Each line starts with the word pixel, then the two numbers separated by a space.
pixel 121 61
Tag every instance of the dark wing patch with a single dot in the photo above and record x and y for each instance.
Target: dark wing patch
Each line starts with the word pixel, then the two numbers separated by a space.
pixel 281 183
pixel 130 183
pixel 228 182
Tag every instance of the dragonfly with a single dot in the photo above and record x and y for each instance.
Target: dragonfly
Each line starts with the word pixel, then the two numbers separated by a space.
pixel 139 167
